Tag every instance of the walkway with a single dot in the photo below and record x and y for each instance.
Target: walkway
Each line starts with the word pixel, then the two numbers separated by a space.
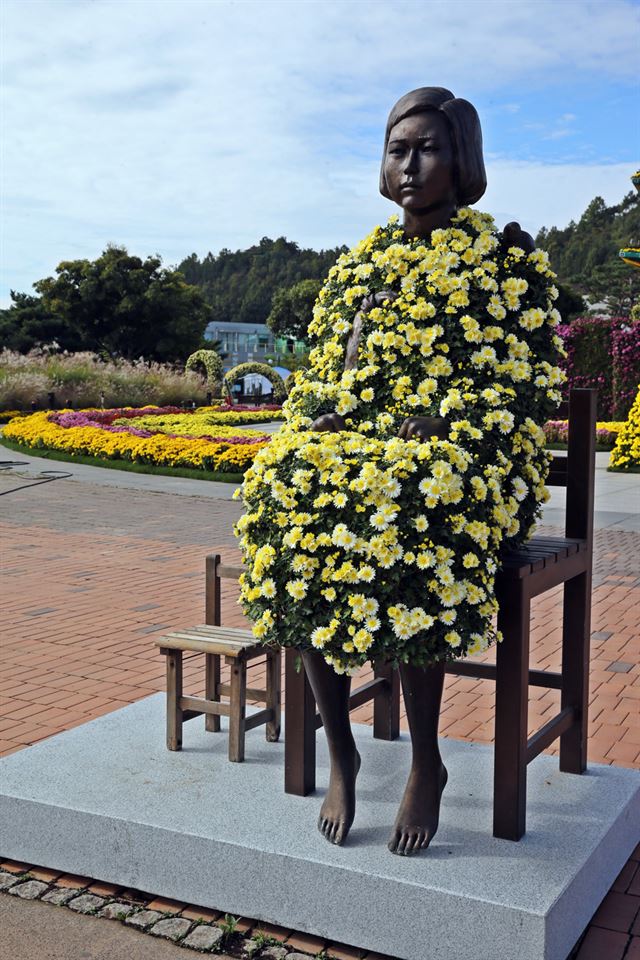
pixel 96 566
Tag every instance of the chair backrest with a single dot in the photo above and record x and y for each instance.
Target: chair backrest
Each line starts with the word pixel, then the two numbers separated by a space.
pixel 575 470
pixel 215 570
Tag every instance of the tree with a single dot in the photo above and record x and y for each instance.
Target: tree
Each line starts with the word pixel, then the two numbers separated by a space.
pixel 292 309
pixel 26 324
pixel 118 305
pixel 240 285
pixel 618 285
pixel 569 303
pixel 585 254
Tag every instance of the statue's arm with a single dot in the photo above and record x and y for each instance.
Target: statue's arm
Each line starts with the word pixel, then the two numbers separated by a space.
pixel 334 421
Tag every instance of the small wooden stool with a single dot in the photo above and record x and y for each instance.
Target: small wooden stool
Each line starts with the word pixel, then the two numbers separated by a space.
pixel 237 647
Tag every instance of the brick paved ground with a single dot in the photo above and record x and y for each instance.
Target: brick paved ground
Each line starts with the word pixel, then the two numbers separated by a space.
pixel 92 574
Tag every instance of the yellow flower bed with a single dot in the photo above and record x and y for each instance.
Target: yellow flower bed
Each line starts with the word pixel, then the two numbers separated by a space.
pixel 38 432
pixel 6 415
pixel 626 453
pixel 232 418
pixel 194 424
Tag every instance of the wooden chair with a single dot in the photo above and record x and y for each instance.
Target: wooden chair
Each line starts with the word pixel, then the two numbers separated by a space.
pixel 540 565
pixel 238 647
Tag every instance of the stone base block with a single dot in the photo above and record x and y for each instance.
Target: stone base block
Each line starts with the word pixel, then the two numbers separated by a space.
pixel 107 800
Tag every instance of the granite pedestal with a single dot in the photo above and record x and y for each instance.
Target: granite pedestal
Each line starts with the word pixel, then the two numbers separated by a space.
pixel 107 800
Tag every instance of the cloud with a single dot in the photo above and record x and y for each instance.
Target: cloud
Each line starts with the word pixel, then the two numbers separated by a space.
pixel 546 195
pixel 559 134
pixel 180 126
pixel 151 95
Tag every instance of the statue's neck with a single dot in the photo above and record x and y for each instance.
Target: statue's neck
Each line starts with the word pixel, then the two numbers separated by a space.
pixel 421 223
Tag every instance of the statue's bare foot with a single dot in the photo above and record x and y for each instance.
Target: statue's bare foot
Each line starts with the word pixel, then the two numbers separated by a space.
pixel 339 807
pixel 417 819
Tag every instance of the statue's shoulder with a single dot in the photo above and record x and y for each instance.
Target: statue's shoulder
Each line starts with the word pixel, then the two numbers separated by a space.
pixel 514 236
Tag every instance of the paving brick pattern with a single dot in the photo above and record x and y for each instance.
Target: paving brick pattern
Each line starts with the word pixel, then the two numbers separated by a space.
pixel 91 575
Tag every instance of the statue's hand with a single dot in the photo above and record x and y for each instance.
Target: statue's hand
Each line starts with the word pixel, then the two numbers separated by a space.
pixel 514 236
pixel 331 422
pixel 377 300
pixel 424 428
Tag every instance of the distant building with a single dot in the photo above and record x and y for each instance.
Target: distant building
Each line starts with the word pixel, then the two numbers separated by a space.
pixel 243 342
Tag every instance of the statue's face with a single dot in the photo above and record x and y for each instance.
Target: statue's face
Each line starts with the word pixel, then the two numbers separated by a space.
pixel 418 165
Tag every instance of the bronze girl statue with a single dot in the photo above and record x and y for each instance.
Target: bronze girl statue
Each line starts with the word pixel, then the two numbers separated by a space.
pixel 428 350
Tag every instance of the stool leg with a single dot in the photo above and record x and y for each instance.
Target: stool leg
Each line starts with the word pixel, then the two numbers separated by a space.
pixel 512 701
pixel 238 709
pixel 174 695
pixel 274 686
pixel 211 685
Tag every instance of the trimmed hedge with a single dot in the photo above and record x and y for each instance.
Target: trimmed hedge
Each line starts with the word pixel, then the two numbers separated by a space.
pixel 604 353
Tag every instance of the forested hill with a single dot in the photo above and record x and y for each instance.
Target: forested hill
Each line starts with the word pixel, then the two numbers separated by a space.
pixel 585 254
pixel 239 286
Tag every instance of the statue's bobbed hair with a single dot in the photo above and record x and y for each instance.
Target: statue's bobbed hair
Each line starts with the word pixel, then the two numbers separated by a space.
pixel 466 138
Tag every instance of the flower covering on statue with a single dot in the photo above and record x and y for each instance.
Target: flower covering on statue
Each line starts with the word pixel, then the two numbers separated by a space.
pixel 363 545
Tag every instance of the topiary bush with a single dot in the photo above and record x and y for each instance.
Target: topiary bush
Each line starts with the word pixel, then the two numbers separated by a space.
pixel 274 378
pixel 626 453
pixel 212 364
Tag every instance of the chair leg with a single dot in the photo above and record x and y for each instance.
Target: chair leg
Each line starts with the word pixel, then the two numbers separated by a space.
pixel 237 716
pixel 386 705
pixel 174 695
pixel 274 694
pixel 576 636
pixel 512 701
pixel 299 728
pixel 211 685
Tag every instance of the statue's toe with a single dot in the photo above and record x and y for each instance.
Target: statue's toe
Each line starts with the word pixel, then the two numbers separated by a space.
pixel 409 840
pixel 340 833
pixel 413 843
pixel 393 841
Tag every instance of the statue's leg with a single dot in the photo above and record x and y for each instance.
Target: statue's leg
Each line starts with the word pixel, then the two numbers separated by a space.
pixel 417 819
pixel 332 691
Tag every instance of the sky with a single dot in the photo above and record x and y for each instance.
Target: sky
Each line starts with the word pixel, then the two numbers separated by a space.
pixel 181 126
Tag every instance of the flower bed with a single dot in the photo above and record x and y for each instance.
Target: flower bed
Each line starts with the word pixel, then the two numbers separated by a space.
pixel 6 415
pixel 161 436
pixel 557 431
pixel 626 453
